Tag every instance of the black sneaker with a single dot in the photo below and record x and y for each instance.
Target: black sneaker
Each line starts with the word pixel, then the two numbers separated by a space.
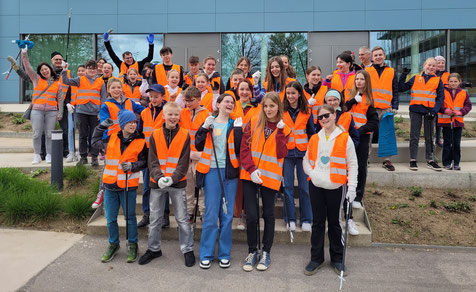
pixel 94 161
pixel 312 268
pixel 144 222
pixel 338 267
pixel 457 167
pixel 189 259
pixel 388 165
pixel 413 165
pixel 433 165
pixel 149 256
pixel 82 161
pixel 166 221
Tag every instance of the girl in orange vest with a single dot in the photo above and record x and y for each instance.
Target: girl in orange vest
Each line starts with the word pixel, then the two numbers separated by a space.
pixel 275 78
pixel 219 160
pixel 331 163
pixel 202 84
pixel 360 105
pixel 314 91
pixel 444 75
pixel 47 104
pixel 216 83
pixel 427 96
pixel 263 149
pixel 298 117
pixel 126 156
pixel 131 86
pixel 172 90
pixel 289 69
pixel 343 78
pixel 450 118
pixel 243 64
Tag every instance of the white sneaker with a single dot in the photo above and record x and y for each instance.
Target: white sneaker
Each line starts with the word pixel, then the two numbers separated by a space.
pixel 70 157
pixel 240 226
pixel 48 158
pixel 36 159
pixel 357 205
pixel 352 228
pixel 291 226
pixel 306 227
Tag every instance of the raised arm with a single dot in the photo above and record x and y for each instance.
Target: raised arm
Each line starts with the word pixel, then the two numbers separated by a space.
pixel 26 64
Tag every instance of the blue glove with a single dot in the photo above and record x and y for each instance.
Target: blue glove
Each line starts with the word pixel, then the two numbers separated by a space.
pixel 25 44
pixel 150 39
pixel 106 37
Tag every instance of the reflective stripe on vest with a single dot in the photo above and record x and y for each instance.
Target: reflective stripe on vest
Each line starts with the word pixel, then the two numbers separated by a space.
pixel 298 137
pixel 187 123
pixel 457 104
pixel 161 75
pixel 424 93
pixel 359 112
pixel 134 95
pixel 203 165
pixel 336 83
pixel 49 96
pixel 88 92
pixel 64 86
pixel 319 97
pixel 382 86
pixel 123 70
pixel 149 124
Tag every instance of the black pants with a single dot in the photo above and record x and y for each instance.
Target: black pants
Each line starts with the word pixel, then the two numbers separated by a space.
pixel 64 127
pixel 326 205
pixel 448 138
pixel 362 153
pixel 416 120
pixel 250 191
pixel 87 124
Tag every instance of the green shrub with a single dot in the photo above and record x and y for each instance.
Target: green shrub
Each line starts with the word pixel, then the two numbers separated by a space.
pixel 27 127
pixel 416 191
pixel 77 174
pixel 46 206
pixel 18 208
pixel 78 206
pixel 398 119
pixel 458 206
pixel 433 204
pixel 18 119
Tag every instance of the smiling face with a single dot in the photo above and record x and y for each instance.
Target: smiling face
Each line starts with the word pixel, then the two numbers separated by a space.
pixel 45 72
pixel 441 65
pixel 342 66
pixel 227 105
pixel 333 101
pixel 327 119
pixel 313 78
pixel 194 68
pixel 115 90
pixel 202 83
pixel 128 59
pixel 81 71
pixel 293 96
pixel 91 71
pixel 100 65
pixel 237 78
pixel 167 58
pixel 173 79
pixel 244 66
pixel 244 92
pixel 454 83
pixel 275 69
pixel 57 61
pixel 192 103
pixel 430 66
pixel 171 117
pixel 130 128
pixel 155 98
pixel 132 76
pixel 364 56
pixel 210 65
pixel 285 61
pixel 107 70
pixel 360 82
pixel 378 56
pixel 270 110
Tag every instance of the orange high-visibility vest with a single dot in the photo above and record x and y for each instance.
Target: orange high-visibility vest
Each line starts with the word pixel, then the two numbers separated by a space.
pixel 161 75
pixel 338 157
pixel 336 83
pixel 169 156
pixel 123 70
pixel 298 137
pixel 88 92
pixel 456 105
pixel 207 101
pixel 150 124
pixel 133 94
pixel 359 112
pixel 252 112
pixel 264 155
pixel 282 89
pixel 64 86
pixel 114 115
pixel 424 93
pixel 382 86
pixel 214 80
pixel 114 157
pixel 190 80
pixel 445 77
pixel 49 96
pixel 192 126
pixel 203 165
pixel 319 97
pixel 238 110
pixel 74 92
pixel 167 94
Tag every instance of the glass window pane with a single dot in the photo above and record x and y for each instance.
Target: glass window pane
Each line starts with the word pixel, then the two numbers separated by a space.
pixel 135 43
pixel 463 57
pixel 79 51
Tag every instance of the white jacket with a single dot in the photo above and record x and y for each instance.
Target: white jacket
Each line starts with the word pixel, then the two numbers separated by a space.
pixel 320 175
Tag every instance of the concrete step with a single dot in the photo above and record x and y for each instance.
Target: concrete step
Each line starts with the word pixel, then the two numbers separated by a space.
pixel 281 235
pixel 16 145
pixel 19 135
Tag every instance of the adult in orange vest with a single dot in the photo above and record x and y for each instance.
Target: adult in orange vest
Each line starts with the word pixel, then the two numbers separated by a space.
pixel 364 57
pixel 343 78
pixel 314 91
pixel 159 75
pixel 444 75
pixel 451 118
pixel 126 156
pixel 91 91
pixel 216 82
pixel 384 90
pixel 72 118
pixel 263 149
pixel 128 60
pixel 219 160
pixel 131 86
pixel 331 164
pixel 360 106
pixel 47 104
pixel 191 118
pixel 427 96
pixel 276 78
pixel 244 65
pixel 297 116
pixel 169 158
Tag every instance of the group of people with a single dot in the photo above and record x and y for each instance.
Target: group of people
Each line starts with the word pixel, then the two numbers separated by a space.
pixel 185 131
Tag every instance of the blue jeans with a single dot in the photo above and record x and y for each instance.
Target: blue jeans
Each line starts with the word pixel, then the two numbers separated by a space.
pixel 71 129
pixel 146 194
pixel 112 201
pixel 303 186
pixel 213 212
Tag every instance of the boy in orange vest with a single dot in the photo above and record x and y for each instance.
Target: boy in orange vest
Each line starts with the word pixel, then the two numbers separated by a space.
pixel 159 75
pixel 169 158
pixel 194 66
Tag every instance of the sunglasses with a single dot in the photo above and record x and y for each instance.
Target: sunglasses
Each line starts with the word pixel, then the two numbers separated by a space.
pixel 323 116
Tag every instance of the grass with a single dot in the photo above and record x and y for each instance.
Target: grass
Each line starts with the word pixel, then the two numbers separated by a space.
pixel 27 127
pixel 78 206
pixel 416 191
pixel 76 175
pixel 433 204
pixel 398 119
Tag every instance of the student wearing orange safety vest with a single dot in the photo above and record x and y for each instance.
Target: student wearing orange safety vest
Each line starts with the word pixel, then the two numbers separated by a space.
pixel 128 60
pixel 202 83
pixel 444 75
pixel 360 106
pixel 314 91
pixel 331 163
pixel 194 67
pixel 384 91
pixel 275 78
pixel 216 82
pixel 126 156
pixel 169 157
pixel 451 118
pixel 297 116
pixel 218 160
pixel 342 79
pixel 47 104
pixel 236 77
pixel 172 90
pixel 91 92
pixel 263 148
pixel 427 96
pixel 244 65
pixel 131 86
pixel 151 118
pixel 159 75
pixel 191 118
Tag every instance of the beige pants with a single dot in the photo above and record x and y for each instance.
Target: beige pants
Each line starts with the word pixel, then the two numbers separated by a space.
pixel 190 191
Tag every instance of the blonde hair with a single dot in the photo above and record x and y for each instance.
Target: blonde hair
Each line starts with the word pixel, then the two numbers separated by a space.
pixel 171 105
pixel 367 90
pixel 424 64
pixel 204 75
pixel 172 71
pixel 111 81
pixel 457 76
pixel 209 58
pixel 131 70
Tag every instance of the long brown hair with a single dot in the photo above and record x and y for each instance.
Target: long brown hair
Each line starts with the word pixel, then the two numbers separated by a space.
pixel 262 118
pixel 303 105
pixel 269 78
pixel 367 89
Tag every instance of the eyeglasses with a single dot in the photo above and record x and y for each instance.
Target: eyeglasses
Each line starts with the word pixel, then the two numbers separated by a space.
pixel 323 116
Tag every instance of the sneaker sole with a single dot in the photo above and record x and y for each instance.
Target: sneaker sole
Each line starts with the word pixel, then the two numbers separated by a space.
pixel 313 272
pixel 432 168
pixel 248 268
pixel 205 267
pixel 110 259
pixel 225 266
pixel 414 168
pixel 131 261
pixel 388 169
pixel 261 267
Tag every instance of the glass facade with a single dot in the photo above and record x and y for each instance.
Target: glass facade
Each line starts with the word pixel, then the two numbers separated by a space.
pixel 463 57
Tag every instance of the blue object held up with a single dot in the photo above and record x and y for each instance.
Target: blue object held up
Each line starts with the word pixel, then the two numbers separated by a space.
pixel 387 140
pixel 25 44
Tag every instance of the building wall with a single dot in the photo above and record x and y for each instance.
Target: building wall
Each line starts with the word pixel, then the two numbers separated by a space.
pixel 192 16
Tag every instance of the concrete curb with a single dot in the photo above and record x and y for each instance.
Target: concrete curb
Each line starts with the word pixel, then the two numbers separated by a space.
pixel 16 135
pixel 422 246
